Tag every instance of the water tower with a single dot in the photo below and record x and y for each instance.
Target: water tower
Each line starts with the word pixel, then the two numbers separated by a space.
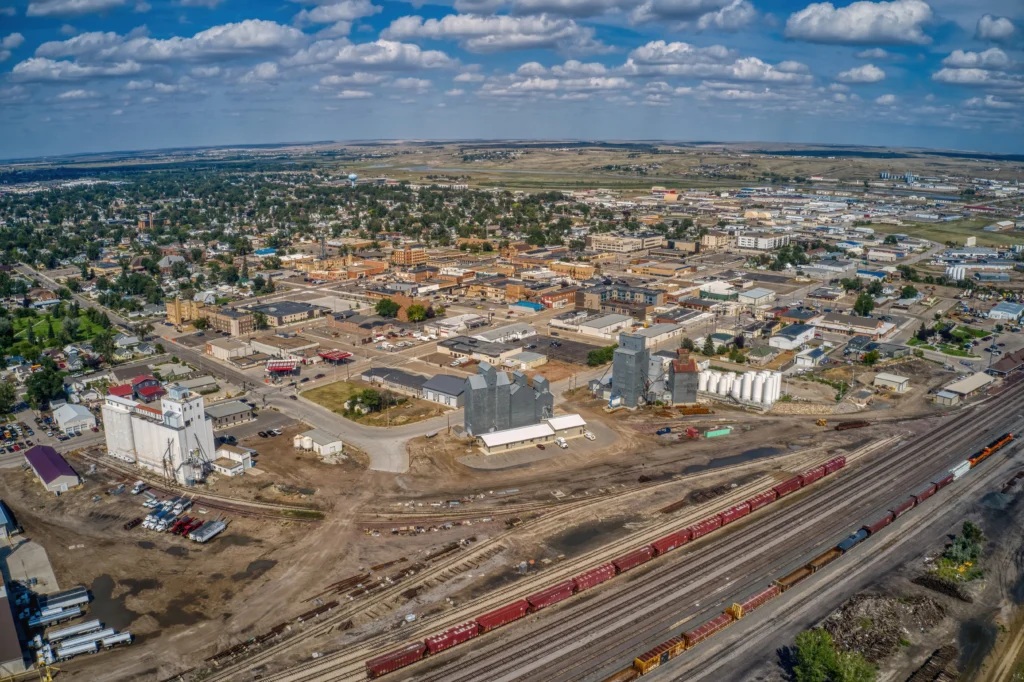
pixel 352 177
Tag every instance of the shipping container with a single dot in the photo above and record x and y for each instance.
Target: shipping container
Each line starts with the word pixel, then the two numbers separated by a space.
pixel 819 562
pixel 625 675
pixel 852 541
pixel 793 578
pixel 390 662
pixel 926 493
pixel 502 616
pixel 717 432
pixel 960 469
pixel 943 482
pixel 702 528
pixel 659 655
pixel 835 464
pixel 633 559
pixel 733 513
pixel 880 523
pixel 760 599
pixel 708 629
pixel 761 499
pixel 787 487
pixel 670 542
pixel 812 475
pixel 903 507
pixel 595 576
pixel 552 595
pixel 452 637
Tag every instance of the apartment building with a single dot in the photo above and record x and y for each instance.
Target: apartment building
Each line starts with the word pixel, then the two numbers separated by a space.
pixel 760 241
pixel 409 256
pixel 618 243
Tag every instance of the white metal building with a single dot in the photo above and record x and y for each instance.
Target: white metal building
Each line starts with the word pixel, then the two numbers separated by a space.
pixel 74 418
pixel 606 326
pixel 319 441
pixel 792 337
pixel 756 296
pixel 507 334
pixel 893 382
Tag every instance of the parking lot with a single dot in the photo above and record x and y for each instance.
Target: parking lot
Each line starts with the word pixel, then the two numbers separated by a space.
pixel 567 350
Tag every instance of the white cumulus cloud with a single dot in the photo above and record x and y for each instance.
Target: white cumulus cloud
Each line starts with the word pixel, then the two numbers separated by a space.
pixel 38 69
pixel 70 8
pixel 995 29
pixel 886 100
pixel 498 33
pixel 346 10
pixel 993 58
pixel 78 94
pixel 896 22
pixel 869 73
pixel 381 54
pixel 736 15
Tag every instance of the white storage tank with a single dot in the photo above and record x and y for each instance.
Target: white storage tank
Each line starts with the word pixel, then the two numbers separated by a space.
pixel 737 388
pixel 776 386
pixel 702 381
pixel 748 385
pixel 713 382
pixel 724 383
pixel 758 392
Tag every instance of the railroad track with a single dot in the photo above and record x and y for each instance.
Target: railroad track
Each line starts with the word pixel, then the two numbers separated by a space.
pixel 804 600
pixel 659 529
pixel 866 481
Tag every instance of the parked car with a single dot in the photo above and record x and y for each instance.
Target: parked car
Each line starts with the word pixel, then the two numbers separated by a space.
pixel 319 376
pixel 540 446
pixel 293 397
pixel 262 434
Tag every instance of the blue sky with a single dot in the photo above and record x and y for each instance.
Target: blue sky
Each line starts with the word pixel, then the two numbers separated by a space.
pixel 99 75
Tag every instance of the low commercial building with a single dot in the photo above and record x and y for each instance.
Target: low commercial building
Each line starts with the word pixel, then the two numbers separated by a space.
pixel 229 413
pixel 319 441
pixel 12 657
pixel 284 347
pixel 893 382
pixel 605 326
pixel 792 337
pixel 853 325
pixel 74 418
pixel 225 349
pixel 395 380
pixel 810 357
pixel 526 360
pixel 657 334
pixel 969 386
pixel 231 460
pixel 1006 310
pixel 445 389
pixel 947 398
pixel 52 469
pixel 453 326
pixel 508 333
pixel 755 297
pixel 363 327
pixel 564 426
pixel 468 347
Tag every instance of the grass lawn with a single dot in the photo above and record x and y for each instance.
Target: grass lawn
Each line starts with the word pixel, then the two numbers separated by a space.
pixel 956 232
pixel 954 351
pixel 333 397
pixel 970 332
pixel 86 329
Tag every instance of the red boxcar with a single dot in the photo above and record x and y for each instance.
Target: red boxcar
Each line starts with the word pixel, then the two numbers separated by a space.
pixel 633 559
pixel 670 542
pixel 880 523
pixel 713 626
pixel 760 599
pixel 835 464
pixel 552 595
pixel 595 576
pixel 506 614
pixel 813 475
pixel 904 507
pixel 943 482
pixel 926 493
pixel 702 528
pixel 407 655
pixel 761 499
pixel 733 513
pixel 787 487
pixel 452 636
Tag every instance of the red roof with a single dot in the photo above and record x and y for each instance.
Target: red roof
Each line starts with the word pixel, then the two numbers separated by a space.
pixel 282 365
pixel 334 355
pixel 144 377
pixel 152 391
pixel 122 391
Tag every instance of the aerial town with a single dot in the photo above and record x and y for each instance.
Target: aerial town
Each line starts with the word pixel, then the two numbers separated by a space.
pixel 312 413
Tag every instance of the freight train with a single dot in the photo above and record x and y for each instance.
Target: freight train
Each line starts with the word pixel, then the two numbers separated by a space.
pixel 553 594
pixel 673 647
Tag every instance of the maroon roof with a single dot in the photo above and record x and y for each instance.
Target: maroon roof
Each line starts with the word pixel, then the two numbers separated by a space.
pixel 150 391
pixel 122 391
pixel 143 377
pixel 48 464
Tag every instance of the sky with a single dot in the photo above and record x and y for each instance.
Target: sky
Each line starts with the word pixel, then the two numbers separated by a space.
pixel 105 75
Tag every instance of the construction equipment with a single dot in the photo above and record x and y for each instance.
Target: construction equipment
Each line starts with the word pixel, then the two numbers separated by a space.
pixel 822 422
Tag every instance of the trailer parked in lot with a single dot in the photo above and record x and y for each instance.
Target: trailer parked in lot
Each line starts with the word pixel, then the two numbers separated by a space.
pixel 207 531
pixel 76 596
pixel 74 630
pixel 64 653
pixel 91 637
pixel 61 616
pixel 116 640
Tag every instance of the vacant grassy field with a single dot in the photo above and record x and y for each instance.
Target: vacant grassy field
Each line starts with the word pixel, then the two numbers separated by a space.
pixel 41 325
pixel 333 397
pixel 956 232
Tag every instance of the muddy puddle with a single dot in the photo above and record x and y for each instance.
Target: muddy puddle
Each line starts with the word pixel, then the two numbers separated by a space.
pixel 254 570
pixel 113 612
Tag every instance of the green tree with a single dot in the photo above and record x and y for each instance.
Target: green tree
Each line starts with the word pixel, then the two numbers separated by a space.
pixel 815 656
pixel 871 357
pixel 709 346
pixel 201 324
pixel 179 269
pixel 601 356
pixel 416 313
pixel 70 326
pixel 387 308
pixel 864 304
pixel 45 385
pixel 688 344
pixel 8 397
pixel 259 320
pixel 891 239
pixel 908 292
pixel 103 344
pixel 851 666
